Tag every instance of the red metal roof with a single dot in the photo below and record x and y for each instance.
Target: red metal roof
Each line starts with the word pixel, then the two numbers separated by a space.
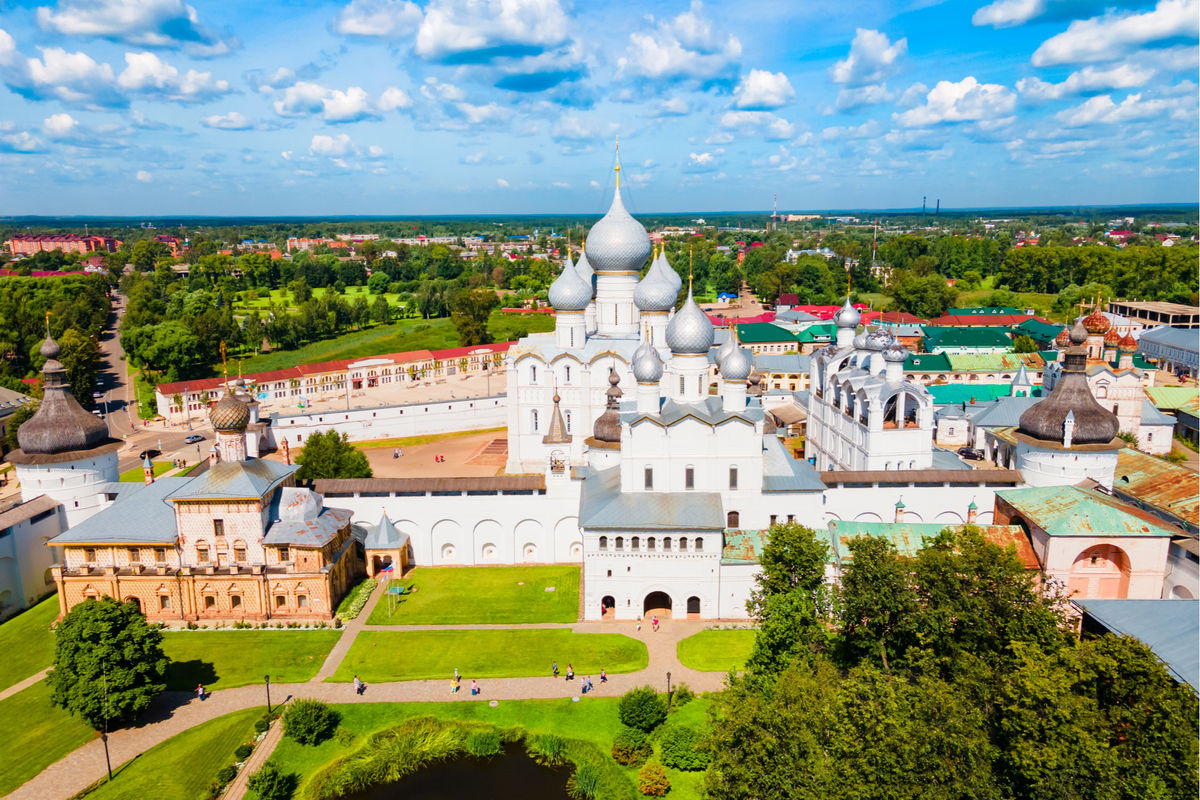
pixel 993 320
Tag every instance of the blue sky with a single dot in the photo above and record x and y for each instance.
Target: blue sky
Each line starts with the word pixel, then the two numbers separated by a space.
pixel 146 107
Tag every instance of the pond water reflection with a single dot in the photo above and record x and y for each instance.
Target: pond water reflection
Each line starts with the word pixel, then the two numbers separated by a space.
pixel 510 776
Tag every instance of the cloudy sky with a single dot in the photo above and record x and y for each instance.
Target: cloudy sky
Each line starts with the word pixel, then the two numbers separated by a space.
pixel 147 107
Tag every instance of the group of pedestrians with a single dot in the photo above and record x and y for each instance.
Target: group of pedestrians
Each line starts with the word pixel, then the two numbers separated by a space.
pixel 456 684
pixel 585 684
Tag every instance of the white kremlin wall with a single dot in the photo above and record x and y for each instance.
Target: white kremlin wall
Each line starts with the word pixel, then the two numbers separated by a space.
pixel 390 422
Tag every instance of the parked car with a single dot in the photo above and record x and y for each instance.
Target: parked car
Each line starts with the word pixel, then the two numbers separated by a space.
pixel 195 437
pixel 970 453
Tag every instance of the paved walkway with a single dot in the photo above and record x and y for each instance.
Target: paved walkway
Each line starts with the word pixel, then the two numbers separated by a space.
pixel 238 787
pixel 175 712
pixel 25 684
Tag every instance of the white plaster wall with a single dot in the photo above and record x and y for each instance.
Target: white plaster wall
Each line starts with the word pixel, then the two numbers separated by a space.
pixel 1147 559
pixel 74 484
pixel 634 575
pixel 1064 467
pixel 365 424
pixel 25 561
pixel 934 504
pixel 1182 581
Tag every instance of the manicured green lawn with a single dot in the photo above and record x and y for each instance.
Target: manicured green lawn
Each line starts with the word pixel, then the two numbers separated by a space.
pixel 592 719
pixel 411 441
pixel 484 595
pixel 35 734
pixel 224 659
pixel 183 765
pixel 135 475
pixel 424 655
pixel 27 642
pixel 716 651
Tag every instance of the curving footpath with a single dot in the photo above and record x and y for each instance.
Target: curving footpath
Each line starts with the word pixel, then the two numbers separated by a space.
pixel 175 712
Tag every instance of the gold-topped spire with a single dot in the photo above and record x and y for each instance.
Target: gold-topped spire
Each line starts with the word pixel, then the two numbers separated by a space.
pixel 617 168
pixel 47 324
pixel 691 259
pixel 224 365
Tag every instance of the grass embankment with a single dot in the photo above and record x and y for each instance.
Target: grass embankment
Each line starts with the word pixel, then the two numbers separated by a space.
pixel 184 765
pixel 225 659
pixel 135 474
pixel 593 720
pixel 379 656
pixel 484 595
pixel 1038 301
pixel 716 651
pixel 412 441
pixel 285 299
pixel 35 734
pixel 27 642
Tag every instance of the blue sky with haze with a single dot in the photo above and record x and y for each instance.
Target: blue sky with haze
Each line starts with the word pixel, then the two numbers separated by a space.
pixel 146 107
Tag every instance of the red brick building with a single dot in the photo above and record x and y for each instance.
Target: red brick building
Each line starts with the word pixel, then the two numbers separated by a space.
pixel 66 242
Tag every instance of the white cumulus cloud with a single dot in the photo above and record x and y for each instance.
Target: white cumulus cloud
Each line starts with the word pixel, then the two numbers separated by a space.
pixel 686 47
pixel 1088 79
pixel 305 98
pixel 763 91
pixel 333 146
pixel 764 123
pixel 476 31
pixel 60 126
pixel 1117 33
pixel 872 59
pixel 377 19
pixel 144 177
pixel 147 74
pixel 394 98
pixel 967 100
pixel 148 23
pixel 233 121
pixel 1007 13
pixel 1101 110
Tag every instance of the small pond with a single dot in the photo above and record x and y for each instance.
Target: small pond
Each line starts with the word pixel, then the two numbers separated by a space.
pixel 512 775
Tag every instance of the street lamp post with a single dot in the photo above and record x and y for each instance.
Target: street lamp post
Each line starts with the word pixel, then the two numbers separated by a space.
pixel 267 678
pixel 104 736
pixel 668 686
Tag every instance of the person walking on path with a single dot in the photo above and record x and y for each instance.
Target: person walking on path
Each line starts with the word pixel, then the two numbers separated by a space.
pixel 456 674
pixel 570 672
pixel 588 681
pixel 554 670
pixel 359 686
pixel 583 686
pixel 200 692
pixel 603 677
pixel 474 687
pixel 453 685
pixel 654 624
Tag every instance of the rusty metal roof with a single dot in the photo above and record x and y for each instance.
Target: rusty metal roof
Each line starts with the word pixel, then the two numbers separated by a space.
pixel 924 477
pixel 909 538
pixel 1168 487
pixel 1071 511
pixel 498 483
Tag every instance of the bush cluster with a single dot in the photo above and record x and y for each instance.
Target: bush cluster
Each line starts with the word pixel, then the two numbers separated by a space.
pixel 653 781
pixel 631 748
pixel 271 784
pixel 681 748
pixel 642 708
pixel 243 751
pixel 483 743
pixel 310 721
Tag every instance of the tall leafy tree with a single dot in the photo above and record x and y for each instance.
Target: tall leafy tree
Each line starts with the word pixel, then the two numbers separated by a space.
pixel 788 599
pixel 470 311
pixel 877 602
pixel 330 455
pixel 81 357
pixel 108 663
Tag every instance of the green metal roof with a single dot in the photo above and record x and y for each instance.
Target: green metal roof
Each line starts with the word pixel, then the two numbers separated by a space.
pixel 1169 398
pixel 1071 511
pixel 814 333
pixel 955 393
pixel 964 336
pixel 763 332
pixel 995 362
pixel 927 362
pixel 745 547
pixel 909 537
pixel 1036 329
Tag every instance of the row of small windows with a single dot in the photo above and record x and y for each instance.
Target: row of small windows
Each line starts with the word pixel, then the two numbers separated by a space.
pixel 689 477
pixel 652 544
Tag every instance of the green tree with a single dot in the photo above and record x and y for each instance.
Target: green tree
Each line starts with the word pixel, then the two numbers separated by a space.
pixel 877 602
pixel 378 282
pixel 927 296
pixel 330 455
pixel 788 600
pixel 470 311
pixel 108 663
pixel 1025 344
pixel 81 357
pixel 15 421
pixel 269 783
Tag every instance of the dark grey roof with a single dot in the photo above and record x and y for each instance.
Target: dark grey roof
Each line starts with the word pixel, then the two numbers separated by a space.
pixel 792 315
pixel 1003 412
pixel 790 362
pixel 782 473
pixel 19 512
pixel 141 514
pixel 1167 627
pixel 1094 424
pixel 236 479
pixel 1152 416
pixel 603 506
pixel 707 410
pixel 313 532
pixel 944 459
pixel 1184 338
pixel 385 536
pixel 60 424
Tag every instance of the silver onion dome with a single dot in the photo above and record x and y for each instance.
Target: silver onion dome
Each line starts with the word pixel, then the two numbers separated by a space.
pixel 586 272
pixel 879 339
pixel 860 341
pixel 647 366
pixel 895 352
pixel 690 331
pixel 668 271
pixel 618 242
pixel 737 365
pixel 654 292
pixel 727 347
pixel 569 292
pixel 847 316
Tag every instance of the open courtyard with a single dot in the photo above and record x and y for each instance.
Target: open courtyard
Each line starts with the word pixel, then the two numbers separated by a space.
pixel 482 596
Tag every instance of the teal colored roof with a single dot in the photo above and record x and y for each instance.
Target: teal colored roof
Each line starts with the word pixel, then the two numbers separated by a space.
pixel 963 336
pixel 958 312
pixel 763 332
pixel 995 362
pixel 817 333
pixel 745 547
pixel 229 480
pixel 955 393
pixel 1167 627
pixel 1038 330
pixel 909 537
pixel 927 362
pixel 1071 511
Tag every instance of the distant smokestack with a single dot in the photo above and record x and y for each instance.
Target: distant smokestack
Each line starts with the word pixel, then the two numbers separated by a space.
pixel 922 205
pixel 938 209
